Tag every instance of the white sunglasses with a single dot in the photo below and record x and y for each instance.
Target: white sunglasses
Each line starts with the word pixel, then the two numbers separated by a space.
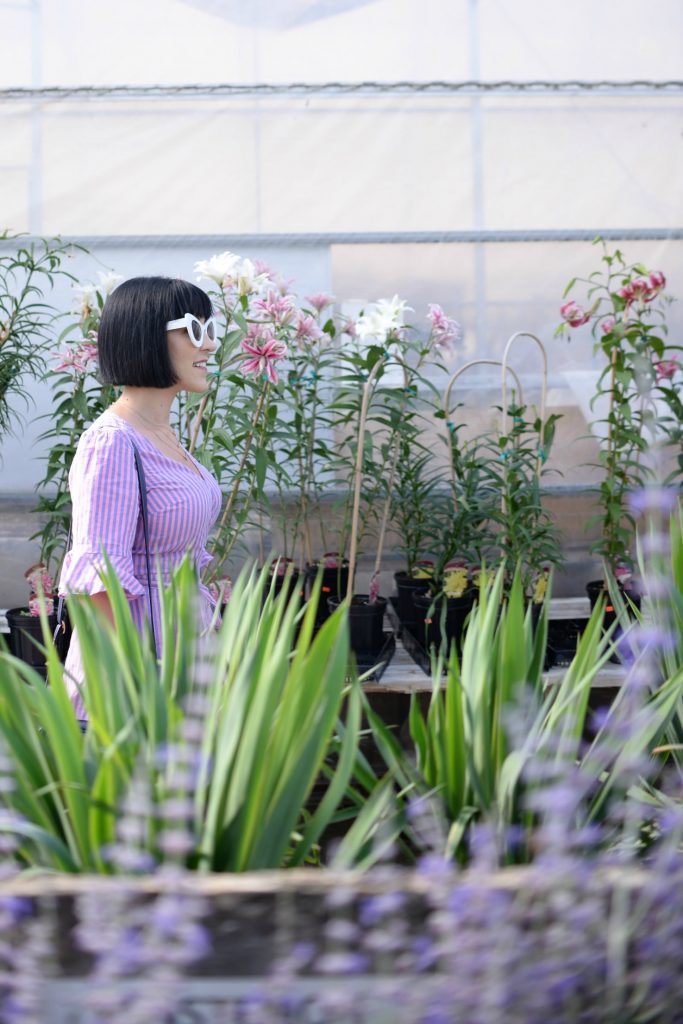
pixel 195 328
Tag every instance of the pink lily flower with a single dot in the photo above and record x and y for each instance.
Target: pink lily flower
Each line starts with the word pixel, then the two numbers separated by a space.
pixel 666 368
pixel 265 349
pixel 574 314
pixel 279 308
pixel 306 327
pixel 608 325
pixel 445 330
pixel 77 359
pixel 320 301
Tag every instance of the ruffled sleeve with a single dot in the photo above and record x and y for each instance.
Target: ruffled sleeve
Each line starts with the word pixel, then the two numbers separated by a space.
pixel 105 500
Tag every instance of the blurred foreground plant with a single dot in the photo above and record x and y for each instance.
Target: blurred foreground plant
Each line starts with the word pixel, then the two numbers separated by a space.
pixel 226 736
pixel 495 738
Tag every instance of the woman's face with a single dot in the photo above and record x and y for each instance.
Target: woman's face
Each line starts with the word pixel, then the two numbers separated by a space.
pixel 189 362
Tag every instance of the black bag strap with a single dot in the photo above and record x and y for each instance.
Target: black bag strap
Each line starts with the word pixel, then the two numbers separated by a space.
pixel 61 623
pixel 61 618
pixel 145 530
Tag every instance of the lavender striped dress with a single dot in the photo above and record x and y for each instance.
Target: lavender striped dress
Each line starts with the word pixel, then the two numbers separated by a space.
pixel 182 508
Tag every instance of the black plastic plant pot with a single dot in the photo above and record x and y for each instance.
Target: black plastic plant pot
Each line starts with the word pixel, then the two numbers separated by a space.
pixel 366 623
pixel 291 581
pixel 406 587
pixel 334 584
pixel 441 619
pixel 563 638
pixel 597 587
pixel 25 632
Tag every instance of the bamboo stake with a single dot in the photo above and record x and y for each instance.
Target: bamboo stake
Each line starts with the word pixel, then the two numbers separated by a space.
pixel 387 503
pixel 358 474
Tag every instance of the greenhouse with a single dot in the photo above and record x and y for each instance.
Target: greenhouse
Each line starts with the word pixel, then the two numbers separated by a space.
pixel 341 463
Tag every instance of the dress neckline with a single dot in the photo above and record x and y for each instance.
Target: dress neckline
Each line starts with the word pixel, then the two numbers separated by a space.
pixel 151 444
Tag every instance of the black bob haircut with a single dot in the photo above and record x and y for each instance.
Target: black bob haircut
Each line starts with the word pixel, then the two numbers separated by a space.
pixel 131 342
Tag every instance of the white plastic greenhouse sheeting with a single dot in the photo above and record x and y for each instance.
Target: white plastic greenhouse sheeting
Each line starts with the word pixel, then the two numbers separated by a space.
pixel 122 172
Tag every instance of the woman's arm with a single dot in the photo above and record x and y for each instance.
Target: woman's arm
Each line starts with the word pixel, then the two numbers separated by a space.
pixel 103 605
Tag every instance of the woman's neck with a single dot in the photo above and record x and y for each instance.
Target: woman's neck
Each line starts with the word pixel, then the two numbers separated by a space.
pixel 151 405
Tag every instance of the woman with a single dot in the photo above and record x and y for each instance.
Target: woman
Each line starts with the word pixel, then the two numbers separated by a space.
pixel 156 335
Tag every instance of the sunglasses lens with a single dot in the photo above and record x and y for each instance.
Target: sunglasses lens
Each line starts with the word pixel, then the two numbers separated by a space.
pixel 211 330
pixel 196 331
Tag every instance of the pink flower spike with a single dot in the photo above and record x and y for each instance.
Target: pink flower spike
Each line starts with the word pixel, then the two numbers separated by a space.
pixel 657 281
pixel 608 325
pixel 373 591
pixel 34 606
pixel 574 314
pixel 666 368
pixel 320 301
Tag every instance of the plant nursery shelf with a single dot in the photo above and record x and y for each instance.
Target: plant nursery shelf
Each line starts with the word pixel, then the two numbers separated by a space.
pixel 404 675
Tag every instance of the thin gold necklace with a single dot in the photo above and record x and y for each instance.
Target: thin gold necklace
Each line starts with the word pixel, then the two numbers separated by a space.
pixel 169 439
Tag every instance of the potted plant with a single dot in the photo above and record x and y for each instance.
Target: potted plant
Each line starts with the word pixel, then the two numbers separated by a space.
pixel 25 628
pixel 624 305
pixel 303 455
pixel 366 611
pixel 414 484
pixel 385 376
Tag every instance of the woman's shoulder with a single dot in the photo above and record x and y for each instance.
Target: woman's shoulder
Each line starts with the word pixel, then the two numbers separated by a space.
pixel 108 431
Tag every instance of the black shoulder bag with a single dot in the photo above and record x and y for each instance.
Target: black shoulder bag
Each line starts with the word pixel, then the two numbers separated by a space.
pixel 62 633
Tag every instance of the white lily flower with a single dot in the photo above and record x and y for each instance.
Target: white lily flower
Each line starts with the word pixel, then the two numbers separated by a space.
pixel 386 316
pixel 232 271
pixel 108 282
pixel 218 267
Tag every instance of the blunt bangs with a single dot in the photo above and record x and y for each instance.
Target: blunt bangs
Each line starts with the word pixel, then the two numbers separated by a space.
pixel 132 343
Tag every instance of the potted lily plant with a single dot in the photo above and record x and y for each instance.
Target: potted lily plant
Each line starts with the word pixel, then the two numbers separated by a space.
pixel 387 375
pixel 303 448
pixel 624 305
pixel 464 533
